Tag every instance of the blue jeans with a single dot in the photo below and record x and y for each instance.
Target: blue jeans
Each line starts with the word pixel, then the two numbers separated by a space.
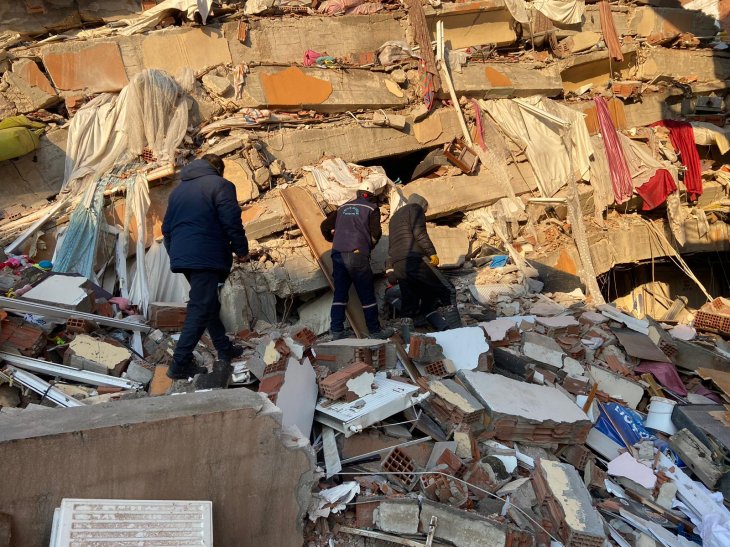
pixel 353 269
pixel 204 310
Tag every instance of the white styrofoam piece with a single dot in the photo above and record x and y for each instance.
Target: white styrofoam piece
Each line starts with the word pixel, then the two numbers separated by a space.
pixel 298 396
pixel 462 346
pixel 389 397
pixel 516 398
pixel 629 467
pixel 88 522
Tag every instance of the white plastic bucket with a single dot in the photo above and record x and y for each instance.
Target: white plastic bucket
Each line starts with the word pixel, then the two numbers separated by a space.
pixel 660 415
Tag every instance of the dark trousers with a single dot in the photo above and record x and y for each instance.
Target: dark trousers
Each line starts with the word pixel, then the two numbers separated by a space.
pixel 203 313
pixel 353 269
pixel 423 287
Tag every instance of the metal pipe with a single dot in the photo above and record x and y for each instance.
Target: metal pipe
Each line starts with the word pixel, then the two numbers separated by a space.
pixel 43 388
pixel 69 373
pixel 61 313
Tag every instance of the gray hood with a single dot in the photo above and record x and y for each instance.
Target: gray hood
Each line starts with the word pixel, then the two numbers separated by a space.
pixel 418 200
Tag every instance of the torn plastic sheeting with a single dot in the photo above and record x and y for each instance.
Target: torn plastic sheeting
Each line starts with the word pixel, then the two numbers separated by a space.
pixel 632 428
pixel 154 16
pixel 332 500
pixel 164 286
pixel 150 112
pixel 569 12
pixel 138 197
pixel 394 51
pixel 542 139
pixel 338 181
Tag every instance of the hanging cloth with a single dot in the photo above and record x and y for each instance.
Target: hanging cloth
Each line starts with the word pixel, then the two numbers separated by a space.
pixel 683 139
pixel 623 188
pixel 657 189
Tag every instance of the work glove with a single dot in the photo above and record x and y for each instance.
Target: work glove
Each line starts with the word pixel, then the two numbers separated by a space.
pixel 242 259
pixel 392 279
pixel 434 260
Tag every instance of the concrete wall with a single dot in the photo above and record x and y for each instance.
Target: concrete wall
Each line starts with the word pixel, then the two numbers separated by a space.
pixel 224 446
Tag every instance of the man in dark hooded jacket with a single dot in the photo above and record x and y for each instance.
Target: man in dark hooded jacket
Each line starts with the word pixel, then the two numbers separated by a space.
pixel 202 229
pixel 413 260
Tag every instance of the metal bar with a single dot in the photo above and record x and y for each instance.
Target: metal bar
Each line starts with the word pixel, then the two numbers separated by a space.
pixel 431 531
pixel 61 313
pixel 43 388
pixel 382 537
pixel 68 373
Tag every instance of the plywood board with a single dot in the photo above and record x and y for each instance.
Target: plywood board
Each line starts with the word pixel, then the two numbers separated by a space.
pixel 308 216
pixel 720 378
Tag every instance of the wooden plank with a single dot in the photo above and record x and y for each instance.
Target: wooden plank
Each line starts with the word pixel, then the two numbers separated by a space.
pixel 720 378
pixel 308 216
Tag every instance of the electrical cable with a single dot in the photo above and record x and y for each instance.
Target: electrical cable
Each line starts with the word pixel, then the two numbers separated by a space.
pixel 487 492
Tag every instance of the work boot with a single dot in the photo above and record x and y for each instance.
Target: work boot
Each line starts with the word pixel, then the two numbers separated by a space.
pixel 452 317
pixel 382 334
pixel 231 354
pixel 436 321
pixel 183 372
pixel 406 326
pixel 338 335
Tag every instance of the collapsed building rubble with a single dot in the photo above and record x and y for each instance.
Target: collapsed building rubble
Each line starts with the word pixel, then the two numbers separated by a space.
pixel 574 157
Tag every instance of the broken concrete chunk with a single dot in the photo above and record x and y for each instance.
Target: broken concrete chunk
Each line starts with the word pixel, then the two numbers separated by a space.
pixel 87 353
pixel 139 371
pixel 397 516
pixel 569 504
pixel 543 349
pixel 217 85
pixel 452 245
pixel 246 189
pixel 519 411
pixel 521 492
pixel 464 347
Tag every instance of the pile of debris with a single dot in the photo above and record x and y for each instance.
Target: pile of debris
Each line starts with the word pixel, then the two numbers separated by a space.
pixel 562 421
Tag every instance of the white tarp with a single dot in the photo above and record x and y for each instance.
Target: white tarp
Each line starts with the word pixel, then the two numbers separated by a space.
pixel 542 140
pixel 164 286
pixel 152 17
pixel 568 12
pixel 338 181
pixel 150 112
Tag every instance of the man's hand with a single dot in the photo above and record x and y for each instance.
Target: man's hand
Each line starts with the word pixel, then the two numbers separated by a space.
pixel 242 259
pixel 434 260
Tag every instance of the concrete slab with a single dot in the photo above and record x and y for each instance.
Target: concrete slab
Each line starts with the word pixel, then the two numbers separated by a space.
pixel 301 147
pixel 296 88
pixel 452 245
pixel 266 217
pixel 461 528
pixel 138 449
pixel 397 516
pixel 501 395
pixel 315 314
pixel 63 291
pixel 543 349
pixel 502 80
pixel 617 385
pixel 461 193
pixel 195 48
pixel 473 24
pixel 29 71
pixel 94 68
pixel 462 346
pixel 284 40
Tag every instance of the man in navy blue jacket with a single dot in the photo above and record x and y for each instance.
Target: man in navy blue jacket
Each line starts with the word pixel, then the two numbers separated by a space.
pixel 202 229
pixel 354 230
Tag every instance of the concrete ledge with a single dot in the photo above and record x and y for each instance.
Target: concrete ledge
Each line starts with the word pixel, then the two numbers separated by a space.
pixel 225 446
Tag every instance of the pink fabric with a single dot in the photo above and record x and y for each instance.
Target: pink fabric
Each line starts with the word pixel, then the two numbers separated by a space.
pixel 310 57
pixel 623 187
pixel 665 373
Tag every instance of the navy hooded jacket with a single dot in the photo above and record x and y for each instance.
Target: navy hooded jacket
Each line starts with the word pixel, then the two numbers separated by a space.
pixel 202 226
